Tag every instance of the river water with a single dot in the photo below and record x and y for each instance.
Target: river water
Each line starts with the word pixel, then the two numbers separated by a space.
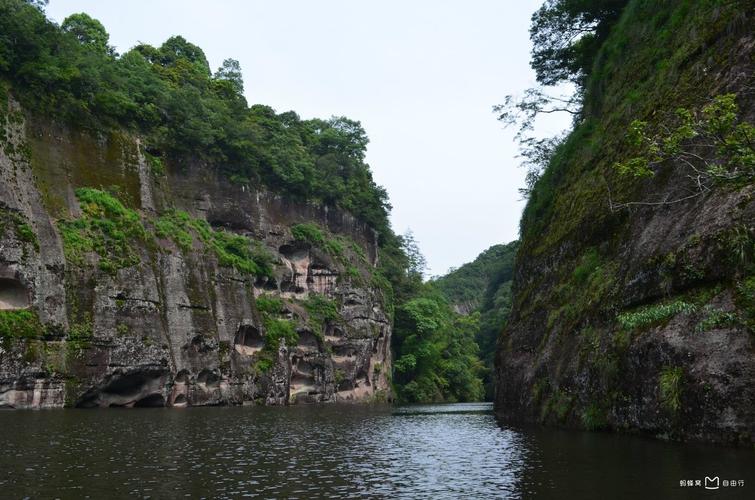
pixel 336 451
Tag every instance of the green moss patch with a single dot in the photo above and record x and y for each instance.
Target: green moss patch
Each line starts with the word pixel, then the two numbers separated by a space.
pixel 20 324
pixel 231 249
pixel 115 233
pixel 107 228
pixel 321 310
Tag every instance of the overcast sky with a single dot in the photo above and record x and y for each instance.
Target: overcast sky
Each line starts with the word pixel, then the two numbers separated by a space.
pixel 421 76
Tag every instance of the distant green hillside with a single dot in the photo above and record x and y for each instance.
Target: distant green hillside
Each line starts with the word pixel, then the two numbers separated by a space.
pixel 482 288
pixel 465 287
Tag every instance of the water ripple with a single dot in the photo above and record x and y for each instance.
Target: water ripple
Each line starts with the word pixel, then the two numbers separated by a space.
pixel 439 451
pixel 429 451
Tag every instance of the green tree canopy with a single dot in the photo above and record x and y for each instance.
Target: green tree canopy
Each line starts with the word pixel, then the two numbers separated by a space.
pixel 230 72
pixel 88 31
pixel 483 289
pixel 566 36
pixel 169 97
pixel 437 357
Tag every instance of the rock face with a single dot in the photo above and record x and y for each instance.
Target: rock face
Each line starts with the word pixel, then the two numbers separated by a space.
pixel 174 324
pixel 641 319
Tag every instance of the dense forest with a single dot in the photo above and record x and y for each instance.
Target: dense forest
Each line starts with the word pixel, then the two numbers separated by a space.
pixel 481 291
pixel 171 98
pixel 436 356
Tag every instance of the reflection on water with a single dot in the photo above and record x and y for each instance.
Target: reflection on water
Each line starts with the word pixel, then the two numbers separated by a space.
pixel 433 451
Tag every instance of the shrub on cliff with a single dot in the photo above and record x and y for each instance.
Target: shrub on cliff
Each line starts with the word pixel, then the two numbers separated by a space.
pixel 21 323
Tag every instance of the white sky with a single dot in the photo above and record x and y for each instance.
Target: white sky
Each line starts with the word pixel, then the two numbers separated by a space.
pixel 421 76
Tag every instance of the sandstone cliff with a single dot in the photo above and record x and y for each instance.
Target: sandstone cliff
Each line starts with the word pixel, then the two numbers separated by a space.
pixel 125 281
pixel 639 317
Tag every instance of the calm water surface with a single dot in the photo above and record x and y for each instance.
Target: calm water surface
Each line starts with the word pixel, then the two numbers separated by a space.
pixel 434 451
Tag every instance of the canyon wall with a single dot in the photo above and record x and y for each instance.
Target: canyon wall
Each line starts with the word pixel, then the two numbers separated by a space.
pixel 634 296
pixel 126 280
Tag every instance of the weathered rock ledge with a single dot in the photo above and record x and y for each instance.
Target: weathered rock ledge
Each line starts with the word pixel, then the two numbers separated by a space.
pixel 175 326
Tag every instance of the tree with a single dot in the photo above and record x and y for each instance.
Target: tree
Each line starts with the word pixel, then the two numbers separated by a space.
pixel 417 262
pixel 436 353
pixel 712 147
pixel 88 31
pixel 566 36
pixel 340 136
pixel 39 4
pixel 484 286
pixel 230 72
pixel 176 47
pixel 536 152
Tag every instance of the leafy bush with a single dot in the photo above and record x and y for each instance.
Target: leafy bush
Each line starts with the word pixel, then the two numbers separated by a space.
pixel 722 151
pixel 175 225
pixel 268 304
pixel 264 364
pixel 276 329
pixel 739 244
pixel 425 388
pixel 715 318
pixel 21 227
pixel 309 233
pixel 26 233
pixel 321 310
pixel 20 324
pixel 105 227
pixel 234 250
pixel 156 164
pixel 594 418
pixel 334 246
pixel 589 263
pixel 745 298
pixel 405 364
pixel 559 403
pixel 80 334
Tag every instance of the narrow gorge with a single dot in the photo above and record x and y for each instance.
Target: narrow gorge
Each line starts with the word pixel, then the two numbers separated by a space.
pixel 211 287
